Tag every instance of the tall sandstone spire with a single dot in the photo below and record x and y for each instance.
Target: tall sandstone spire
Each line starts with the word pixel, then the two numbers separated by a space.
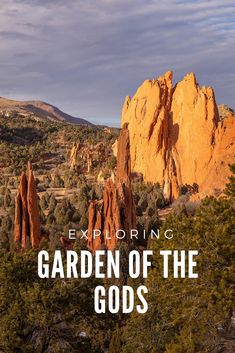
pixel 27 219
pixel 123 181
pixel 176 136
pixel 116 211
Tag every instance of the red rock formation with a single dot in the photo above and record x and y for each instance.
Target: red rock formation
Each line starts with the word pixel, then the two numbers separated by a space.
pixel 123 180
pixel 116 211
pixel 175 135
pixel 95 217
pixel 104 217
pixel 18 218
pixel 33 210
pixel 24 211
pixel 27 220
pixel 112 211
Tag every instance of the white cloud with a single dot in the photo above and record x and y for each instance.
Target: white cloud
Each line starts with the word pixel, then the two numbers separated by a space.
pixel 87 55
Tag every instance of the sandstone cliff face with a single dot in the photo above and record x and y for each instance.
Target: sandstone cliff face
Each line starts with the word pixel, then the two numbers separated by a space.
pixel 223 155
pixel 27 220
pixel 116 211
pixel 147 116
pixel 176 136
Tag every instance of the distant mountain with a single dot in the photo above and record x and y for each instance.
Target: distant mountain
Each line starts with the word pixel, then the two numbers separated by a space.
pixel 40 109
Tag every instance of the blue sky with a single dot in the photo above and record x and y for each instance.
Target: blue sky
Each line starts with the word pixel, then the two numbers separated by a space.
pixel 85 56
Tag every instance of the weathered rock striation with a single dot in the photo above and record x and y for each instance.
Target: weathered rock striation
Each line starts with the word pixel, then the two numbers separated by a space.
pixel 27 228
pixel 116 211
pixel 176 135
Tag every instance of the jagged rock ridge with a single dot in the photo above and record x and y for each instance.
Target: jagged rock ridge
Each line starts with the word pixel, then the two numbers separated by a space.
pixel 176 135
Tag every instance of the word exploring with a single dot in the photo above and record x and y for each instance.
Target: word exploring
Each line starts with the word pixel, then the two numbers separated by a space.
pixel 106 264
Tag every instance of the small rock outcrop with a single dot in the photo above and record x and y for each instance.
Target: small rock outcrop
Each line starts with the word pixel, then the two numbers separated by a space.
pixel 27 228
pixel 85 157
pixel 89 163
pixel 177 136
pixel 116 211
pixel 100 177
pixel 73 155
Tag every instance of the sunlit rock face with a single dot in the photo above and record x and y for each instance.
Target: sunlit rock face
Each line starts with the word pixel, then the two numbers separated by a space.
pixel 176 136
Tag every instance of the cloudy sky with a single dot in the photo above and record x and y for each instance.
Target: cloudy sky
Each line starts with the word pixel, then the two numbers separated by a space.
pixel 85 56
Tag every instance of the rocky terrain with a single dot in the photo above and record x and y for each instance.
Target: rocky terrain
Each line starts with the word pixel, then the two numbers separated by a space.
pixel 174 148
pixel 174 141
pixel 69 163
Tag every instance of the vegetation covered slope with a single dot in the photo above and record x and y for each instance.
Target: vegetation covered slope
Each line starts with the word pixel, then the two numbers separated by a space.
pixel 54 315
pixel 37 108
